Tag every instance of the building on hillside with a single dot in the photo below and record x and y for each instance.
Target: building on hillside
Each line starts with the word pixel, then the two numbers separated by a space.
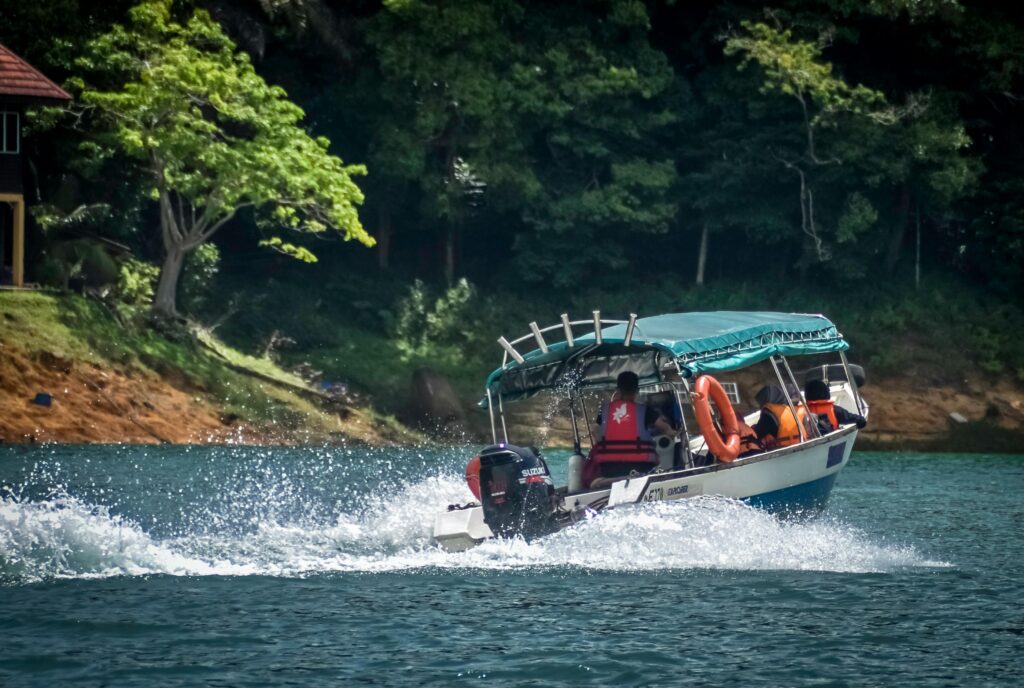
pixel 21 85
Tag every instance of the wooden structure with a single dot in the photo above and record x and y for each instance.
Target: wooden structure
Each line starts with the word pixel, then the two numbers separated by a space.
pixel 21 85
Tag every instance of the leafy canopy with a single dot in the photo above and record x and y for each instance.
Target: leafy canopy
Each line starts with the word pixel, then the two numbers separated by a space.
pixel 554 110
pixel 212 133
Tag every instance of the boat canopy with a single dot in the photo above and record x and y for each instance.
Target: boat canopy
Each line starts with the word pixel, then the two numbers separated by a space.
pixel 696 343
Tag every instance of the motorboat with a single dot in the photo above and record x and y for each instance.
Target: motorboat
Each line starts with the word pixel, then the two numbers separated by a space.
pixel 677 359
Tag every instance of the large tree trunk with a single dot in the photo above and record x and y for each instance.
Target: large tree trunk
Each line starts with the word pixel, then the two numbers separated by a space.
pixel 702 255
pixel 165 302
pixel 892 255
pixel 384 232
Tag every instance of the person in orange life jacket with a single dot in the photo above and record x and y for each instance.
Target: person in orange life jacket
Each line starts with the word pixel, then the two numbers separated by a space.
pixel 830 416
pixel 777 427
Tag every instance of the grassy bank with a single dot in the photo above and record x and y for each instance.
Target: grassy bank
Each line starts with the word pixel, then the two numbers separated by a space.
pixel 239 389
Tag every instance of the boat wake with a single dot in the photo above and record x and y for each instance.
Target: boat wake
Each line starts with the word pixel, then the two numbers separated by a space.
pixel 60 536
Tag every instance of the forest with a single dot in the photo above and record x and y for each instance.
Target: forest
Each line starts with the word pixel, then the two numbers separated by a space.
pixel 348 185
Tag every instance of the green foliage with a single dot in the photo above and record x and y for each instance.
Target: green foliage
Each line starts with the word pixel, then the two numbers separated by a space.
pixel 428 327
pixel 135 282
pixel 53 220
pixel 300 253
pixel 51 272
pixel 197 281
pixel 79 259
pixel 795 68
pixel 858 216
pixel 559 153
pixel 542 111
pixel 98 268
pixel 211 134
pixel 847 151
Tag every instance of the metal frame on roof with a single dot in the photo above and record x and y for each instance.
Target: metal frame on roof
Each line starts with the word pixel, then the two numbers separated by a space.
pixel 826 334
pixel 613 339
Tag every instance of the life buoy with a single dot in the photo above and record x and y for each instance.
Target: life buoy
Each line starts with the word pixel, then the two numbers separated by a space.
pixel 725 446
pixel 473 476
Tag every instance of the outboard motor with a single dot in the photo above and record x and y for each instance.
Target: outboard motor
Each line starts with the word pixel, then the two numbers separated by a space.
pixel 516 491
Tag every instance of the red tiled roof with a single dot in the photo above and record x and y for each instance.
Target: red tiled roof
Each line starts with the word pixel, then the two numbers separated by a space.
pixel 20 79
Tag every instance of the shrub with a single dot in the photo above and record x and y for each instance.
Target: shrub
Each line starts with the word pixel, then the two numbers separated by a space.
pixel 52 272
pixel 201 267
pixel 136 281
pixel 97 267
pixel 434 327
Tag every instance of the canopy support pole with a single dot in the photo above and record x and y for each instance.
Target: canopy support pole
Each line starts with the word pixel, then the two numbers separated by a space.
pixel 853 383
pixel 490 412
pixel 586 419
pixel 501 413
pixel 682 419
pixel 789 400
pixel 812 418
pixel 575 425
pixel 597 327
pixel 682 413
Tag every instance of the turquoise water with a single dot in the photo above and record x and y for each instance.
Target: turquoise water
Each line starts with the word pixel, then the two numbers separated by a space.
pixel 124 566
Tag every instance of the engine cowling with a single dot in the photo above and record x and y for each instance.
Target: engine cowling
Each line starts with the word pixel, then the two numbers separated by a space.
pixel 516 492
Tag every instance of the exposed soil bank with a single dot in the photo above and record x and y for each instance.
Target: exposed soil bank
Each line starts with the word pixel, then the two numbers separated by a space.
pixel 96 403
pixel 93 404
pixel 108 384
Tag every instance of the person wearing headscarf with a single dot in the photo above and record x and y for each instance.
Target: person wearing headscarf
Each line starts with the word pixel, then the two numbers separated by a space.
pixel 777 427
pixel 830 416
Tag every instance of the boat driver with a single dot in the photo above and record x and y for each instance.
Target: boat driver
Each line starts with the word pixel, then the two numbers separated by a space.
pixel 623 404
pixel 624 441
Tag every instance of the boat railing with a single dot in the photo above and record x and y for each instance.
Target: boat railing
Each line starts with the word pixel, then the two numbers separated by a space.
pixel 536 333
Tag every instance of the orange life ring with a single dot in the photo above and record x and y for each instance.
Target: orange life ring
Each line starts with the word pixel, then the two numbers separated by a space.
pixel 725 446
pixel 473 476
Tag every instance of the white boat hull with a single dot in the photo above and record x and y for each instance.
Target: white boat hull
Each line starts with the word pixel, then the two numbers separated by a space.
pixel 797 478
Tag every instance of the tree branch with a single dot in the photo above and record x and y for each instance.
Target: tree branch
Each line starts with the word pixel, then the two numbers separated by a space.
pixel 196 238
pixel 181 214
pixel 807 223
pixel 172 235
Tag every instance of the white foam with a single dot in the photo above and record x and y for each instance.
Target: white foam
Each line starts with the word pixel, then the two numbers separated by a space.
pixel 705 533
pixel 63 537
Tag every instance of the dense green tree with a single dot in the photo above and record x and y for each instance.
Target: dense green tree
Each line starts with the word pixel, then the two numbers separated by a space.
pixel 567 141
pixel 548 113
pixel 211 137
pixel 787 115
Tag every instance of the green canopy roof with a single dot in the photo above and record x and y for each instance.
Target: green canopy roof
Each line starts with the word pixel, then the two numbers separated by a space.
pixel 698 342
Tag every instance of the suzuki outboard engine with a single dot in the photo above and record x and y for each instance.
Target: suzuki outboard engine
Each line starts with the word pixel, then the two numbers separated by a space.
pixel 516 491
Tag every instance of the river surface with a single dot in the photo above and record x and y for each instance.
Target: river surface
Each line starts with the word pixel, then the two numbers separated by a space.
pixel 142 566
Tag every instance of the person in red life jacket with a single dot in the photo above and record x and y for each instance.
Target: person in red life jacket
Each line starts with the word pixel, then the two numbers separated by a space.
pixel 830 416
pixel 624 441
